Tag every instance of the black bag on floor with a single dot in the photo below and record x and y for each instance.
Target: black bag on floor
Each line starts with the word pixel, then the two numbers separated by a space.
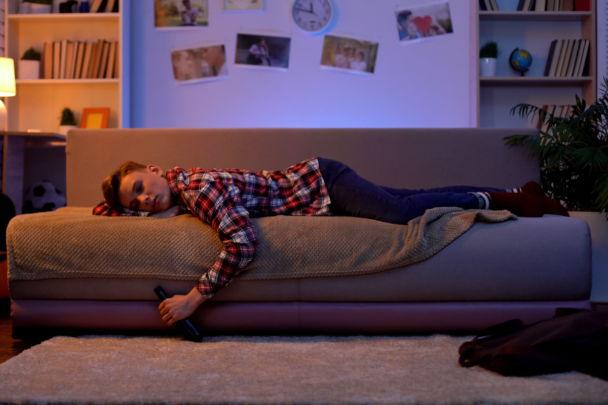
pixel 573 340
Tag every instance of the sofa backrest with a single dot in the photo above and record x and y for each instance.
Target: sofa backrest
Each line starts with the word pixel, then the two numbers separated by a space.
pixel 404 158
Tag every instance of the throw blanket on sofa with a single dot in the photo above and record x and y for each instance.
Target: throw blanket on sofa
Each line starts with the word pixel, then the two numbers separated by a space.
pixel 72 243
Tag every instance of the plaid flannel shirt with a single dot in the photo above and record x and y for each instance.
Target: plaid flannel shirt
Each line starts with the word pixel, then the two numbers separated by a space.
pixel 225 199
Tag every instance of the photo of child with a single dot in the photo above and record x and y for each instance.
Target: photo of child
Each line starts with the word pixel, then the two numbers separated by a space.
pixel 177 14
pixel 243 5
pixel 349 54
pixel 429 20
pixel 197 63
pixel 262 51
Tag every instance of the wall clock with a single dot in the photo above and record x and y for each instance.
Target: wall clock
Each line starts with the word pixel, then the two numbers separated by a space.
pixel 313 16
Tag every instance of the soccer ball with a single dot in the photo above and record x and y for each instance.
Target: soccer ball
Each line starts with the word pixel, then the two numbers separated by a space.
pixel 43 197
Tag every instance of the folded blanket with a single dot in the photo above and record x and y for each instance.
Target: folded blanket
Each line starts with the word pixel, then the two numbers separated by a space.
pixel 72 243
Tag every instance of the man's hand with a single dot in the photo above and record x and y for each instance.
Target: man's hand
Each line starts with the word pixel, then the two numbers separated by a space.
pixel 180 307
pixel 171 212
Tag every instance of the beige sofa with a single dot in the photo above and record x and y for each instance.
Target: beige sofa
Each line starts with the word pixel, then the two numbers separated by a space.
pixel 494 272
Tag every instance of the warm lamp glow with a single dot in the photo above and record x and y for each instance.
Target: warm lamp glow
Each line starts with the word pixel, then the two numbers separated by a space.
pixel 7 77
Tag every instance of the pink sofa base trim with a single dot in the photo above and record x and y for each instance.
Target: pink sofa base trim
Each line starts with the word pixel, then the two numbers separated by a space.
pixel 327 317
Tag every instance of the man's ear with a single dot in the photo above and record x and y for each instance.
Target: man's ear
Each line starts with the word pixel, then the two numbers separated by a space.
pixel 155 169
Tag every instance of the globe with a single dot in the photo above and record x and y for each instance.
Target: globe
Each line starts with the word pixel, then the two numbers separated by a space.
pixel 520 60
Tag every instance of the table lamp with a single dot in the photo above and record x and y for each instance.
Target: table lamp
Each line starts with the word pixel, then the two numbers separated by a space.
pixel 7 87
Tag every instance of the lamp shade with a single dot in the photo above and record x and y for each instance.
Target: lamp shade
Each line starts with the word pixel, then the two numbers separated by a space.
pixel 7 77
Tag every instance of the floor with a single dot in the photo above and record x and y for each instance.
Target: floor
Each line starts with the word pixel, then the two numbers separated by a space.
pixel 9 347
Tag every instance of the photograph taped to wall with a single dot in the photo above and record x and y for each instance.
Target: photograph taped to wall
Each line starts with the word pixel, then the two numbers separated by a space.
pixel 417 23
pixel 262 51
pixel 199 63
pixel 181 14
pixel 243 5
pixel 349 54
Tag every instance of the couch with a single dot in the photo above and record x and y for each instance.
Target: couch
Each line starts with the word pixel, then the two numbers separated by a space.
pixel 492 273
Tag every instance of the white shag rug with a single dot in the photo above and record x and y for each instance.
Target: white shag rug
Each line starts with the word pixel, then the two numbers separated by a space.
pixel 273 370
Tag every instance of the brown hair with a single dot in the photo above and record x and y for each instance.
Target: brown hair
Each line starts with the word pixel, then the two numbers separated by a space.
pixel 111 184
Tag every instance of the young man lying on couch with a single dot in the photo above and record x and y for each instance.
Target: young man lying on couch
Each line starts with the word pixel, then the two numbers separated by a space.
pixel 225 199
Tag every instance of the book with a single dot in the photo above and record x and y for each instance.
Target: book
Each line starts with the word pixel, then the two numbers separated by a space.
pixel 79 59
pixel 111 57
pixel 584 61
pixel 520 6
pixel 97 61
pixel 567 111
pixel 550 58
pixel 526 6
pixel 56 58
pixel 577 44
pixel 550 5
pixel 63 60
pixel 532 5
pixel 541 116
pixel 48 60
pixel 94 6
pixel 566 58
pixel 568 5
pixel 484 5
pixel 102 6
pixel 74 59
pixel 561 5
pixel 562 56
pixel 556 5
pixel 559 48
pixel 559 111
pixel 69 59
pixel 94 64
pixel 494 5
pixel 582 5
pixel 86 60
pixel 110 6
pixel 540 5
pixel 115 8
pixel 116 65
pixel 104 61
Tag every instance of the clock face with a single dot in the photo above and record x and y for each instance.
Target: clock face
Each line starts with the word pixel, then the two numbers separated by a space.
pixel 312 16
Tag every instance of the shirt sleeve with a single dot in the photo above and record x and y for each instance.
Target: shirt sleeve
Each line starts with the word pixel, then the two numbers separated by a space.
pixel 220 206
pixel 104 209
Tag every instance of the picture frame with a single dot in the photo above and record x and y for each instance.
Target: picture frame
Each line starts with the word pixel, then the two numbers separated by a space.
pixel 243 6
pixel 349 54
pixel 422 22
pixel 199 62
pixel 262 51
pixel 95 118
pixel 181 14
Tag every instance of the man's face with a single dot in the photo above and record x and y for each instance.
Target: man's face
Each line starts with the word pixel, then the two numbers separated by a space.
pixel 186 4
pixel 145 190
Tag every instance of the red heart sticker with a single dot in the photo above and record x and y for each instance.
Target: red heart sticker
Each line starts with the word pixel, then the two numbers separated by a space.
pixel 423 23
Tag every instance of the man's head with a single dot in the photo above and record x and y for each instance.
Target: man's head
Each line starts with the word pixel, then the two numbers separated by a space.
pixel 187 4
pixel 138 187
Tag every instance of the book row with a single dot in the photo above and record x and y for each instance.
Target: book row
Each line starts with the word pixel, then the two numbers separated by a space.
pixel 568 58
pixel 541 5
pixel 557 111
pixel 80 60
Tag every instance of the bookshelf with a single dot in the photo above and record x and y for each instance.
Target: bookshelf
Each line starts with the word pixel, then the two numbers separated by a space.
pixel 533 31
pixel 38 103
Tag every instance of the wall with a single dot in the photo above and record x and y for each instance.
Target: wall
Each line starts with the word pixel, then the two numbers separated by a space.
pixel 415 85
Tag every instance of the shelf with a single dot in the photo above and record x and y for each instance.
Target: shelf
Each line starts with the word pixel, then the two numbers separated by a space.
pixel 63 17
pixel 534 81
pixel 68 81
pixel 534 15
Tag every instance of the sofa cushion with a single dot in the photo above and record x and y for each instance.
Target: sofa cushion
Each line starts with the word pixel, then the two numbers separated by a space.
pixel 531 259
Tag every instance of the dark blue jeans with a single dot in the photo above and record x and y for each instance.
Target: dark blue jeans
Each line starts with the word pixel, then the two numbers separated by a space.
pixel 352 195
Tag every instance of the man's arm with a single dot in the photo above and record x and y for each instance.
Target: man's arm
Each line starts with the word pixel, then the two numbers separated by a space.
pixel 214 205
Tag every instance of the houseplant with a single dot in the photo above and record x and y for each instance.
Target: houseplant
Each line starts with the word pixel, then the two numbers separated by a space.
pixel 36 6
pixel 487 58
pixel 29 65
pixel 67 121
pixel 573 156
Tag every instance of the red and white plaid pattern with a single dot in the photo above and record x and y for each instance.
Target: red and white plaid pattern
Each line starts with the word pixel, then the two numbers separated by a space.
pixel 225 199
